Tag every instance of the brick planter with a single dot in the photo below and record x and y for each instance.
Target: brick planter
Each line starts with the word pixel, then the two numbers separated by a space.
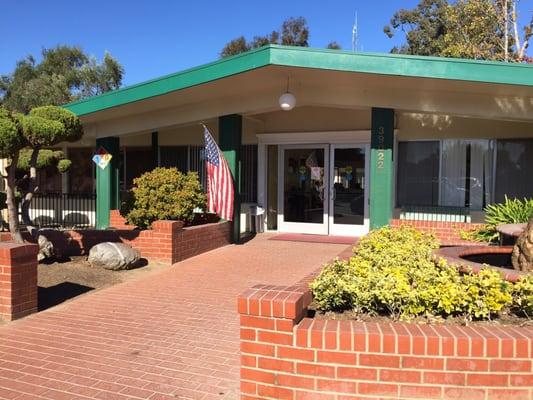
pixel 455 254
pixel 18 280
pixel 448 233
pixel 167 241
pixel 285 355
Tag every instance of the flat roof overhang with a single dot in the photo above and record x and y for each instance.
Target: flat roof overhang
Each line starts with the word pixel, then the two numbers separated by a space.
pixel 252 82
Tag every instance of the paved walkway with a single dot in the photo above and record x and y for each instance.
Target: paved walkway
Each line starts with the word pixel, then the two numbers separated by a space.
pixel 170 335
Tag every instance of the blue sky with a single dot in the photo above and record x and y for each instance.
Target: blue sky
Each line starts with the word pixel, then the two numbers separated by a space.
pixel 157 37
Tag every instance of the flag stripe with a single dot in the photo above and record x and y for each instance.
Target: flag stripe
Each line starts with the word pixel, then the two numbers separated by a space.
pixel 220 191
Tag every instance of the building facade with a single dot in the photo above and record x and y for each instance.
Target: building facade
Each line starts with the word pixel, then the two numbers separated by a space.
pixel 371 137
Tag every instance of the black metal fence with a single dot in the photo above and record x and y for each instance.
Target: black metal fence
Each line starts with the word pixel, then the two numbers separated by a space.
pixel 64 210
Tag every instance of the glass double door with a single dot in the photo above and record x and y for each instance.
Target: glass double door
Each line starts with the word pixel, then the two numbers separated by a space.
pixel 323 189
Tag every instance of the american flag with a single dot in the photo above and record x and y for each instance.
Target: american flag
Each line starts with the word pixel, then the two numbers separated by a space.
pixel 219 180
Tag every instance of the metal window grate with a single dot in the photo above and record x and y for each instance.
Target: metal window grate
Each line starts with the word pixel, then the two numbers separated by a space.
pixel 435 214
pixel 72 210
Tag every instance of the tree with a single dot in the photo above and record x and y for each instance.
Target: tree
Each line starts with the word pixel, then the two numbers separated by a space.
pixel 509 20
pixel 23 141
pixel 333 46
pixel 478 29
pixel 64 74
pixel 473 31
pixel 235 46
pixel 424 28
pixel 293 32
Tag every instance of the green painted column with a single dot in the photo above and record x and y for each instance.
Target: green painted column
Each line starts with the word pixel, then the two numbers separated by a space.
pixel 381 167
pixel 230 139
pixel 155 149
pixel 107 182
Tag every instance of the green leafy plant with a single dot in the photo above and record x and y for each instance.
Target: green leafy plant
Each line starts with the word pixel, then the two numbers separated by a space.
pixel 25 141
pixel 485 293
pixel 511 211
pixel 164 194
pixel 483 234
pixel 523 296
pixel 393 272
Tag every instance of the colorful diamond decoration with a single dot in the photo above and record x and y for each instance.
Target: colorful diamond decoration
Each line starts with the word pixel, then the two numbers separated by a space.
pixel 102 158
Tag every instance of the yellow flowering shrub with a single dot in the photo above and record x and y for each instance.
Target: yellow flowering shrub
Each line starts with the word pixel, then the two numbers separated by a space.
pixel 393 272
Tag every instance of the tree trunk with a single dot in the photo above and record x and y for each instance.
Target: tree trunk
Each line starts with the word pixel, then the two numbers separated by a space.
pixel 14 226
pixel 522 256
pixel 506 30
pixel 28 196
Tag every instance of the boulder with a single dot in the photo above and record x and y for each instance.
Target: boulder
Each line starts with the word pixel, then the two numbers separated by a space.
pixel 522 257
pixel 46 248
pixel 114 256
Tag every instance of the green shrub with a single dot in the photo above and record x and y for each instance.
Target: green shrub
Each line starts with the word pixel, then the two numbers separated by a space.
pixel 485 293
pixel 164 194
pixel 484 234
pixel 523 296
pixel 393 272
pixel 511 211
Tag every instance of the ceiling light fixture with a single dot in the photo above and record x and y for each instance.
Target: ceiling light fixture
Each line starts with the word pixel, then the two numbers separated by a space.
pixel 287 101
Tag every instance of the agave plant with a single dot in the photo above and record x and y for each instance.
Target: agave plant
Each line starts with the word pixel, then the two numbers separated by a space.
pixel 511 211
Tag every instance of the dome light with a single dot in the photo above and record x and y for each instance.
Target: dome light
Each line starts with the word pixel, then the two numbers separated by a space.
pixel 287 101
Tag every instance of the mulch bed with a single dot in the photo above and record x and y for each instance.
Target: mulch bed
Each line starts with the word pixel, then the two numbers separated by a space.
pixel 62 280
pixel 503 319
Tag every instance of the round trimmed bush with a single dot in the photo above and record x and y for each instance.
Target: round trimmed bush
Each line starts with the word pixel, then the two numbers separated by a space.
pixel 164 194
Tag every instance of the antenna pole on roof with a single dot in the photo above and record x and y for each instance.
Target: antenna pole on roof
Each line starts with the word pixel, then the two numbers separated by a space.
pixel 355 33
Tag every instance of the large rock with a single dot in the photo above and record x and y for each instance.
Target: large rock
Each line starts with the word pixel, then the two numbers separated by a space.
pixel 522 256
pixel 114 256
pixel 46 248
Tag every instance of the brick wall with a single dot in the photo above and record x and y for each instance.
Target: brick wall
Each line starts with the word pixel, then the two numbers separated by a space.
pixel 18 280
pixel 448 233
pixel 194 240
pixel 118 221
pixel 167 241
pixel 285 355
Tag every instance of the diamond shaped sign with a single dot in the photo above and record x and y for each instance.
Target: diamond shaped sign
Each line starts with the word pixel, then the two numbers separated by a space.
pixel 102 158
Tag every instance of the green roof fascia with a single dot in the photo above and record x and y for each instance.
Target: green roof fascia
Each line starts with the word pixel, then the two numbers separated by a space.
pixel 371 63
pixel 494 72
pixel 169 83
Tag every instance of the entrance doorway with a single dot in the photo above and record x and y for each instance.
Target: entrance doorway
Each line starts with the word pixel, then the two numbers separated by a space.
pixel 323 189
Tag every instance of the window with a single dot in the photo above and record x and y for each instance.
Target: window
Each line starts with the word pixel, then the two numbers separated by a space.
pixel 137 161
pixel 418 173
pixel 514 164
pixel 81 174
pixel 466 173
pixel 249 173
pixel 447 173
pixel 192 158
pixel 272 187
pixel 174 156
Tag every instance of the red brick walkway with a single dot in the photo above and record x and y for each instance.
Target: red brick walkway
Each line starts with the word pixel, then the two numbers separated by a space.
pixel 170 335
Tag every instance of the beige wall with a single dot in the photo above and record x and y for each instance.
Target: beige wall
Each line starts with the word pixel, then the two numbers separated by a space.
pixel 315 119
pixel 414 126
pixel 411 126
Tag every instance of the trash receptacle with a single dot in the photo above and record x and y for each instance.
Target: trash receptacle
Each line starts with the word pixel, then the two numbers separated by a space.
pixel 257 219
